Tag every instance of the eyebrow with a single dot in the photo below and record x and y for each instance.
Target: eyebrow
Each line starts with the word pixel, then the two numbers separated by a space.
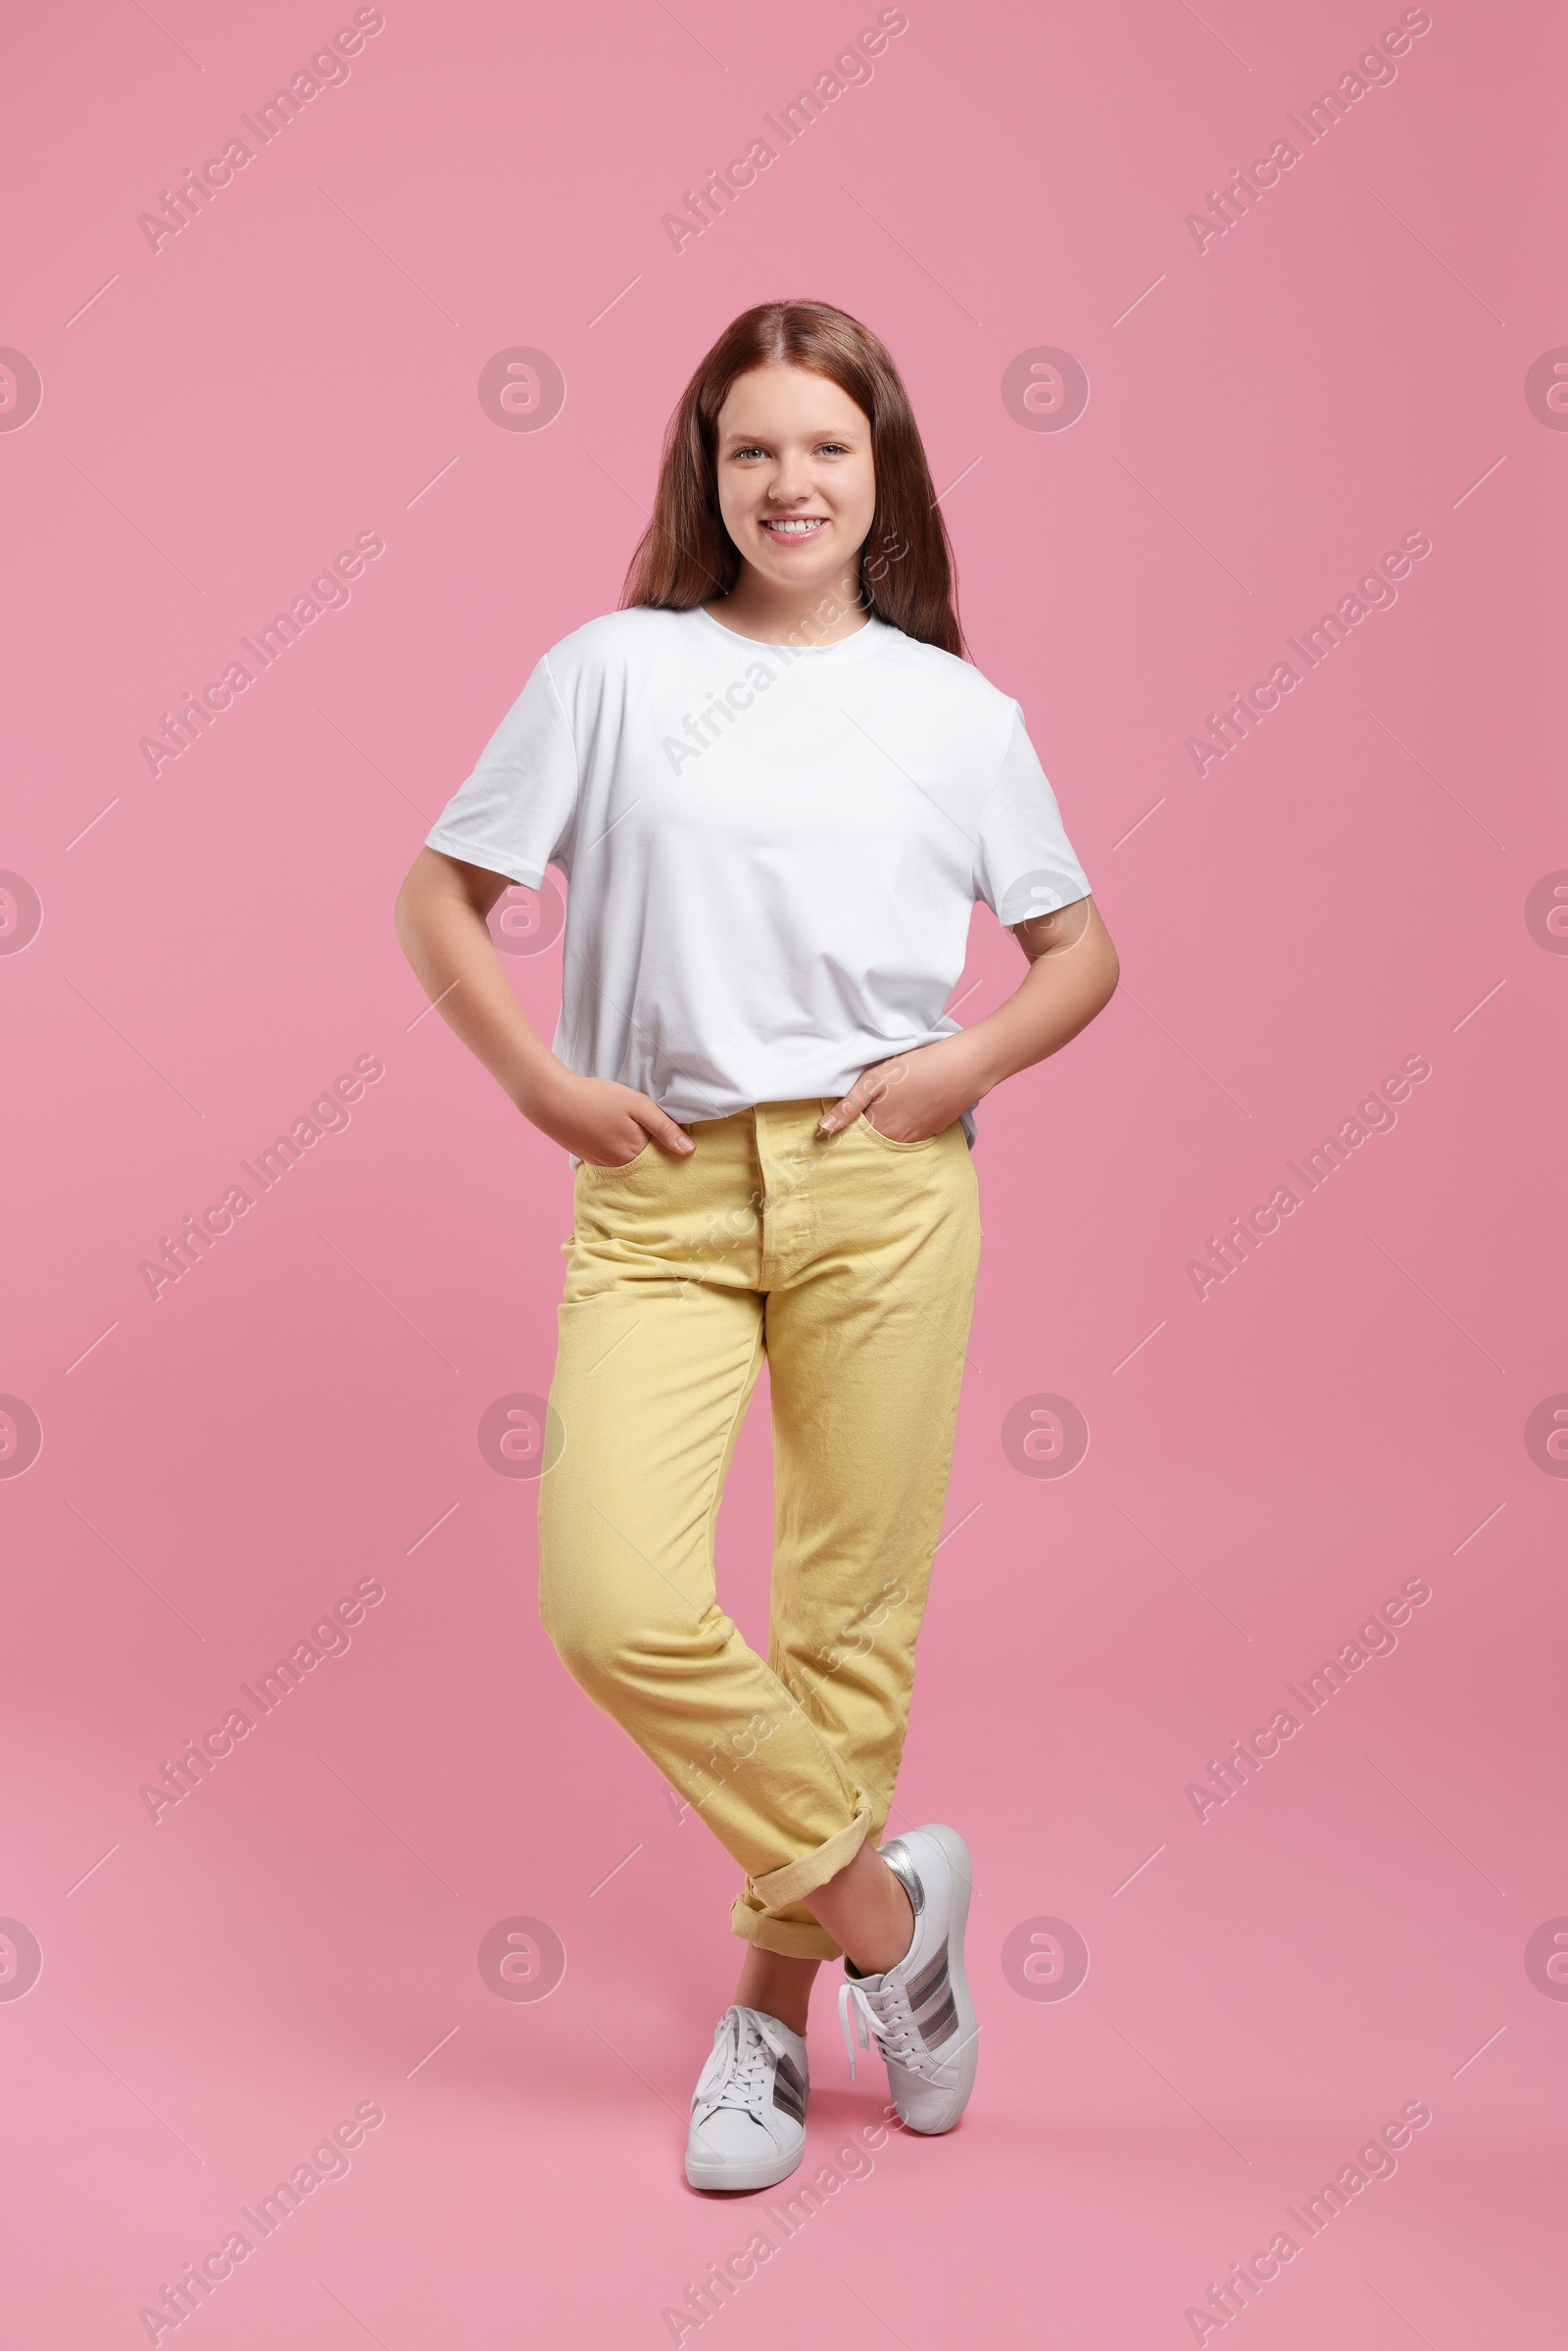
pixel 828 432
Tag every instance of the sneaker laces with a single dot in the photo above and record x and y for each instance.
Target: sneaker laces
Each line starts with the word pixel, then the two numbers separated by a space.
pixel 882 2016
pixel 736 2073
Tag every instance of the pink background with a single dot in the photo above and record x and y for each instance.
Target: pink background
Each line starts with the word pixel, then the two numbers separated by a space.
pixel 1348 887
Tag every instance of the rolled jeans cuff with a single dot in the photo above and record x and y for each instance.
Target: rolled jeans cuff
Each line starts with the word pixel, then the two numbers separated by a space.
pixel 790 1938
pixel 778 1889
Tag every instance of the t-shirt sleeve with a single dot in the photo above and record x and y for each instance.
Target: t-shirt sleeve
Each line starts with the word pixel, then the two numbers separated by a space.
pixel 517 808
pixel 1025 863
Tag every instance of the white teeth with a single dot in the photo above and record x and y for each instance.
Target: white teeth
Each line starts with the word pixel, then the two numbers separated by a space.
pixel 797 530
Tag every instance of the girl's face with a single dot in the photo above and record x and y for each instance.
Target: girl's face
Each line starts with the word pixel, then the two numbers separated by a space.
pixel 796 487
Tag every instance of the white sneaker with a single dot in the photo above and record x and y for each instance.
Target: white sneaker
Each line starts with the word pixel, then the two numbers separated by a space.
pixel 919 2012
pixel 749 2107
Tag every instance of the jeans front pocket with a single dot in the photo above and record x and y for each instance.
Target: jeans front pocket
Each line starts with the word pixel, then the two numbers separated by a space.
pixel 586 1166
pixel 886 1142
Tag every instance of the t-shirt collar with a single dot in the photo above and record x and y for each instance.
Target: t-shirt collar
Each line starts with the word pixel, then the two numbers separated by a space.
pixel 851 647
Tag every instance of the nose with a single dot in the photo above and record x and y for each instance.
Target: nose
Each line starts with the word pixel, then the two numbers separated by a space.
pixel 789 485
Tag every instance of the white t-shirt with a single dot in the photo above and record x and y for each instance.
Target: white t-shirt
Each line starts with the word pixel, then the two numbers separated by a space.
pixel 772 854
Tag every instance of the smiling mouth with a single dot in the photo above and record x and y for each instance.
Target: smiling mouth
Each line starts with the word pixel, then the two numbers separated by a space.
pixel 795 528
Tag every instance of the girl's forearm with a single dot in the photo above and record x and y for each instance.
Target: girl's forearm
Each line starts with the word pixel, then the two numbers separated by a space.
pixel 1060 995
pixel 448 943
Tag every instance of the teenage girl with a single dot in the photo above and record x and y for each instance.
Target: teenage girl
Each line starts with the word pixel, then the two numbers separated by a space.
pixel 778 789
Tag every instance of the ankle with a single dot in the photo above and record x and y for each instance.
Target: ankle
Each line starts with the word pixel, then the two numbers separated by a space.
pixel 779 1988
pixel 897 1938
pixel 796 2021
pixel 904 1927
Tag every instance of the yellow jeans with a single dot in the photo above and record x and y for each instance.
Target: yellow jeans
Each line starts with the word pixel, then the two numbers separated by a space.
pixel 851 1263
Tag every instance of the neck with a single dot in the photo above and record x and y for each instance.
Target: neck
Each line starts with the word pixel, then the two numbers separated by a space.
pixel 820 614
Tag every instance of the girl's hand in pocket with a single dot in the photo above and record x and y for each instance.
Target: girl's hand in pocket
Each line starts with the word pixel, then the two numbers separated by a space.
pixel 912 1097
pixel 606 1123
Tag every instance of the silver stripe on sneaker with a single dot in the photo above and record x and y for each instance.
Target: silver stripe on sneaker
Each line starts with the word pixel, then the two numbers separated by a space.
pixel 789 2091
pixel 896 1857
pixel 934 1980
pixel 935 2029
pixel 931 2003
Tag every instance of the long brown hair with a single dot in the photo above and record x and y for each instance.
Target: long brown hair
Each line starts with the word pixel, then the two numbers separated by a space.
pixel 687 557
